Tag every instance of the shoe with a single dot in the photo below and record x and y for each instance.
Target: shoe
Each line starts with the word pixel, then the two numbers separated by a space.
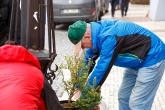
pixel 125 14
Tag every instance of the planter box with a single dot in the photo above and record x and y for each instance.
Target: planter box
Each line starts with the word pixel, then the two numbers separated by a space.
pixel 156 10
pixel 67 108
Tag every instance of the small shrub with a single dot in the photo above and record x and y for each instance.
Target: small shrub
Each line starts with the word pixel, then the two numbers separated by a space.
pixel 77 81
pixel 90 97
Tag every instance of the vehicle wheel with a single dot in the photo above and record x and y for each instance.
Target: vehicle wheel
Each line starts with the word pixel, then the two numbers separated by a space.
pixel 100 15
pixel 106 11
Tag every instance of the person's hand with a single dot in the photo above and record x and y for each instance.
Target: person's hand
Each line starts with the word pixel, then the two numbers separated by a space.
pixel 97 108
pixel 76 95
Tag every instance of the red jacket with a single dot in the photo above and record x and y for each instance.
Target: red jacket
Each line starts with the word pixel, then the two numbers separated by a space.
pixel 21 79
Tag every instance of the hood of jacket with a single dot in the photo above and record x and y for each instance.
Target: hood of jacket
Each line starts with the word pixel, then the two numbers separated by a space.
pixel 13 53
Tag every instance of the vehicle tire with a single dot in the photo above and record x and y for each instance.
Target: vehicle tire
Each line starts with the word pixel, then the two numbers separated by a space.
pixel 106 11
pixel 100 15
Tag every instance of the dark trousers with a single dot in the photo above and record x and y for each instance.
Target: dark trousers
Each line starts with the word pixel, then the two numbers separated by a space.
pixel 124 7
pixel 113 6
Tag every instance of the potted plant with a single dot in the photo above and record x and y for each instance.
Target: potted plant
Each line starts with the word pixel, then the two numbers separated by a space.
pixel 91 96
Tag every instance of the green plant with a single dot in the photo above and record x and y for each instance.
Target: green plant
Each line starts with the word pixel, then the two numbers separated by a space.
pixel 78 81
pixel 90 97
pixel 73 64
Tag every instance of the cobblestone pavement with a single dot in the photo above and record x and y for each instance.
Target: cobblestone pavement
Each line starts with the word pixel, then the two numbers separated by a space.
pixel 137 14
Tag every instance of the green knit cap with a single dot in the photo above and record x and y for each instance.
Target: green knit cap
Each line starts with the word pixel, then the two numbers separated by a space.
pixel 76 31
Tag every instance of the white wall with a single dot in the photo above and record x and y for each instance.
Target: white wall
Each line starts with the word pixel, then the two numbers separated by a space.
pixel 157 10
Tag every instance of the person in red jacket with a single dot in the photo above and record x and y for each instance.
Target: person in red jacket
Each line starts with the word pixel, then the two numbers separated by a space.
pixel 21 79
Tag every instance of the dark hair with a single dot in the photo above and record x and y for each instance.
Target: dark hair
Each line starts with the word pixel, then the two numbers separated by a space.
pixel 10 42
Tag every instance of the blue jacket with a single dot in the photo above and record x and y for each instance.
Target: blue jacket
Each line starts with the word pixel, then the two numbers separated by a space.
pixel 123 44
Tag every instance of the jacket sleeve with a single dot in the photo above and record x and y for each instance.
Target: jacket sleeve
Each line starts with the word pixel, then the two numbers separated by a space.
pixel 106 60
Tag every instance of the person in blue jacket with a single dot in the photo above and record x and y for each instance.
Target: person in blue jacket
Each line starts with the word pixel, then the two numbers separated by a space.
pixel 124 44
